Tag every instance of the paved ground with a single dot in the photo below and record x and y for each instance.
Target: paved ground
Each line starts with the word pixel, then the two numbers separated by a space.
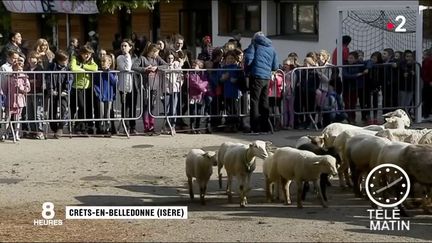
pixel 150 171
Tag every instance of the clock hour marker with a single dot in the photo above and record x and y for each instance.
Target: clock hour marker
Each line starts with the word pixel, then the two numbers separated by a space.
pixel 372 185
pixel 403 185
pixel 402 193
pixel 387 200
pixel 395 171
pixel 379 172
pixel 387 170
pixel 395 198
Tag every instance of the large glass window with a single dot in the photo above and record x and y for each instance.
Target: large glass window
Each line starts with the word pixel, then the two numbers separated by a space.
pixel 239 16
pixel 298 19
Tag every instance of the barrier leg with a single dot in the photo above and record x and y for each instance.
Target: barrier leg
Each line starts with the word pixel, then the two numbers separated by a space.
pixel 313 122
pixel 124 127
pixel 271 126
pixel 172 130
pixel 12 130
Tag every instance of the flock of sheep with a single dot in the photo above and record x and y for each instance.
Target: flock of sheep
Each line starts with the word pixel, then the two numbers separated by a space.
pixel 340 149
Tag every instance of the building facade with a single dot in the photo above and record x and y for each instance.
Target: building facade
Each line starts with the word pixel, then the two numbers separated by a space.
pixel 190 18
pixel 293 26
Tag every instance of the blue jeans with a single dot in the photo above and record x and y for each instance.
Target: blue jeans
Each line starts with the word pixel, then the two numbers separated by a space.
pixel 170 103
pixel 35 112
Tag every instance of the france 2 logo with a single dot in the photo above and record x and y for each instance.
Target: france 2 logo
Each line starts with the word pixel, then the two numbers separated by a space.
pixel 399 28
pixel 48 214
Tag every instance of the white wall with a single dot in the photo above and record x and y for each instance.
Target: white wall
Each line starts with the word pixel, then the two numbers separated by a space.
pixel 328 25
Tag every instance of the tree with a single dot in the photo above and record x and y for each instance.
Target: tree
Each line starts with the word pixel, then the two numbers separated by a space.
pixel 111 6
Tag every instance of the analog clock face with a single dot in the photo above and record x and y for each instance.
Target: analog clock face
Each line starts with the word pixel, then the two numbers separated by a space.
pixel 387 185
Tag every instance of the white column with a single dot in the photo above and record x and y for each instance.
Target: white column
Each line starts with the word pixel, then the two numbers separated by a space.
pixel 264 17
pixel 419 55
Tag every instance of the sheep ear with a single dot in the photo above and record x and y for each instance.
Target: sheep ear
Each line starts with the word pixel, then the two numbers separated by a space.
pixel 317 163
pixel 208 154
pixel 268 143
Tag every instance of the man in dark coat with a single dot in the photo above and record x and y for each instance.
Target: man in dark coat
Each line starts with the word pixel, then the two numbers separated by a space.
pixel 260 61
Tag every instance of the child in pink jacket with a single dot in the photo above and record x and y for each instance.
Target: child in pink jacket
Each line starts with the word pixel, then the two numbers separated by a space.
pixel 15 90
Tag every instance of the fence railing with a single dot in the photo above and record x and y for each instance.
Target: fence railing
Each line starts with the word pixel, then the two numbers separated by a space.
pixel 86 102
pixel 336 93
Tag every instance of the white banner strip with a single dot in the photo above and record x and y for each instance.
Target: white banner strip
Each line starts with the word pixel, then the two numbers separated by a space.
pixel 51 6
pixel 126 212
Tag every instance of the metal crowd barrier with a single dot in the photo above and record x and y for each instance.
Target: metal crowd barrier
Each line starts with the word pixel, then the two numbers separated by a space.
pixel 38 101
pixel 335 93
pixel 218 97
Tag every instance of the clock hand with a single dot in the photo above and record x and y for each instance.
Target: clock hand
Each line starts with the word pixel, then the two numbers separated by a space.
pixel 389 185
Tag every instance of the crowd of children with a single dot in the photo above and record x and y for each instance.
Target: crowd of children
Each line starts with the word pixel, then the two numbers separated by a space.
pixel 321 91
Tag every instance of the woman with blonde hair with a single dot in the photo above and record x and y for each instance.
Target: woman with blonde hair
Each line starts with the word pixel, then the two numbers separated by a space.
pixel 46 56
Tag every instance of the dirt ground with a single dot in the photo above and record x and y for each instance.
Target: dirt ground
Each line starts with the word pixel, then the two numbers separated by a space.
pixel 143 171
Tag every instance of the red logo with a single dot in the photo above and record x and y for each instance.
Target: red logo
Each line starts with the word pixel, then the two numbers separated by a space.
pixel 390 26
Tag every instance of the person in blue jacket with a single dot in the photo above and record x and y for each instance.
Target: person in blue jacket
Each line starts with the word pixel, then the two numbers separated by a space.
pixel 105 92
pixel 260 61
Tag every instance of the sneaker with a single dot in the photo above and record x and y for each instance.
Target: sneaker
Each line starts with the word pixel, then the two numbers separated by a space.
pixel 58 134
pixel 173 131
pixel 40 136
pixel 132 131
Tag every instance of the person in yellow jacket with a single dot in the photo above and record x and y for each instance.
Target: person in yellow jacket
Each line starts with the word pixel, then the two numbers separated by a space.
pixel 81 95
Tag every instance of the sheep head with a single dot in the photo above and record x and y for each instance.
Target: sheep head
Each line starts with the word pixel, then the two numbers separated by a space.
pixel 401 114
pixel 328 164
pixel 317 140
pixel 395 122
pixel 259 148
pixel 211 156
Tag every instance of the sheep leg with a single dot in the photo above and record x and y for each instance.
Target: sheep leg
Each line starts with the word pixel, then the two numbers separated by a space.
pixel 285 191
pixel 324 181
pixel 299 193
pixel 426 200
pixel 343 174
pixel 277 189
pixel 355 178
pixel 191 193
pixel 347 178
pixel 268 190
pixel 242 190
pixel 320 193
pixel 228 188
pixel 220 175
pixel 305 190
pixel 202 194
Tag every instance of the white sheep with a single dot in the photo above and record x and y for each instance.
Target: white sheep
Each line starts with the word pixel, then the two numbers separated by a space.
pixel 301 165
pixel 411 135
pixel 415 159
pixel 199 165
pixel 221 154
pixel 391 152
pixel 330 132
pixel 271 179
pixel 361 152
pixel 399 113
pixel 426 139
pixel 318 140
pixel 339 145
pixel 239 161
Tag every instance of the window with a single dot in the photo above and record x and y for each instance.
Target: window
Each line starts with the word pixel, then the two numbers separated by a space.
pixel 298 19
pixel 239 16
